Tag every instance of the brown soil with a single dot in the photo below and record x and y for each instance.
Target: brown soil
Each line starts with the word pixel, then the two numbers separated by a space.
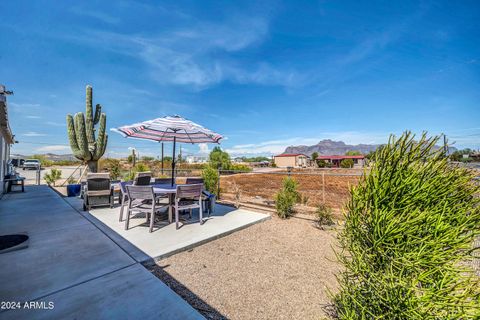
pixel 278 269
pixel 261 188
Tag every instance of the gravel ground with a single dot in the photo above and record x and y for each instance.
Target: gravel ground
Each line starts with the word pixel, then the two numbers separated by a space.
pixel 277 269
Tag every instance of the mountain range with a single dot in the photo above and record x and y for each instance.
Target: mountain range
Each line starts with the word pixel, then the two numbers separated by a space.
pixel 330 147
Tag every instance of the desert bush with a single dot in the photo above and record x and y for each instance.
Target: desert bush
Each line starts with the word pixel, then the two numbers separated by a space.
pixel 322 163
pixel 324 216
pixel 408 236
pixel 286 198
pixel 112 166
pixel 211 179
pixel 346 163
pixel 52 176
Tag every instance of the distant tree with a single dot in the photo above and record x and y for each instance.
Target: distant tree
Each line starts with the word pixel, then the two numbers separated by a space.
pixel 322 163
pixel 353 153
pixel 346 163
pixel 167 159
pixel 219 159
pixel 314 156
pixel 458 155
pixel 148 158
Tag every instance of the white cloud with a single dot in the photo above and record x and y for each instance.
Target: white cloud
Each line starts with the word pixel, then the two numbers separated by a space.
pixel 33 134
pixel 203 148
pixel 33 117
pixel 198 55
pixel 56 124
pixel 53 148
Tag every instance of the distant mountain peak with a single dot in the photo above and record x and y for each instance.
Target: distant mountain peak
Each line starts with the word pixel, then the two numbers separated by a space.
pixel 331 147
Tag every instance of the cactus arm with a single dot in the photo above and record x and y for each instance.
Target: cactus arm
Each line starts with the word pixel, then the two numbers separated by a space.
pixel 89 125
pixel 98 112
pixel 100 143
pixel 82 136
pixel 73 139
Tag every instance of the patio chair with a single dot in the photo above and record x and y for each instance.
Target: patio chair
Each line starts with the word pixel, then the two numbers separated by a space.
pixel 142 178
pixel 142 199
pixel 98 191
pixel 207 197
pixel 188 197
pixel 123 200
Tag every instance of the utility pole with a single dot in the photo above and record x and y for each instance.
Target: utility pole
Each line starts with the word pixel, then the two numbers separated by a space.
pixel 445 147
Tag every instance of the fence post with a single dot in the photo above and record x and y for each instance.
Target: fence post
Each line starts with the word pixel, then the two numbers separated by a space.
pixel 323 187
pixel 38 175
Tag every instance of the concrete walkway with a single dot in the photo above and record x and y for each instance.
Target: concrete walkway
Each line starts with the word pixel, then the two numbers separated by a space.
pixel 69 262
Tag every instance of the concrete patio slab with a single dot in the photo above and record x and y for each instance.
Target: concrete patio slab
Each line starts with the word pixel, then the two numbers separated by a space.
pixel 72 263
pixel 129 293
pixel 165 240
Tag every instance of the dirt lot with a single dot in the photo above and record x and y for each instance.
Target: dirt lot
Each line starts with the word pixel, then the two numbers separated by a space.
pixel 278 269
pixel 315 187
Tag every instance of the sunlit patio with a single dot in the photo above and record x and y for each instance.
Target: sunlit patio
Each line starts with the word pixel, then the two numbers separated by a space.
pixel 165 239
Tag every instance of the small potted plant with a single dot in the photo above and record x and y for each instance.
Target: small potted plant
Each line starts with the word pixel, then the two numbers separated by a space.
pixel 73 188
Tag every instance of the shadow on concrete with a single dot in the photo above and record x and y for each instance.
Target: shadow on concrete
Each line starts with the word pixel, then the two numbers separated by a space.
pixel 195 301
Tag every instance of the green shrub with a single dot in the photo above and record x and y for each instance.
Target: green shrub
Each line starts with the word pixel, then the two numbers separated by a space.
pixel 324 216
pixel 53 176
pixel 211 179
pixel 112 166
pixel 322 163
pixel 346 163
pixel 286 198
pixel 406 244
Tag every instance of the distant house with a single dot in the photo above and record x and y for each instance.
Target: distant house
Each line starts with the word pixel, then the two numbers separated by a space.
pixel 196 159
pixel 334 161
pixel 292 160
pixel 6 138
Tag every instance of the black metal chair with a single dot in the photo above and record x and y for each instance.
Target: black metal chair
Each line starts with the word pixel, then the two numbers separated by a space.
pixel 142 178
pixel 142 199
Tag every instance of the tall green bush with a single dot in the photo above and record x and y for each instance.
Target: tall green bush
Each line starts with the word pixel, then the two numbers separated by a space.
pixel 408 237
pixel 286 198
pixel 211 179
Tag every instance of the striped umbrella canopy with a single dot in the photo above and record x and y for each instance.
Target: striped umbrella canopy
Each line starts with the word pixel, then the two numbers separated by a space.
pixel 170 129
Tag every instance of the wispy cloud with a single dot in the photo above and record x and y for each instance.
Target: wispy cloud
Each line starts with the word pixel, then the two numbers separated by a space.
pixel 55 124
pixel 33 134
pixel 199 55
pixel 95 14
pixel 33 117
pixel 53 148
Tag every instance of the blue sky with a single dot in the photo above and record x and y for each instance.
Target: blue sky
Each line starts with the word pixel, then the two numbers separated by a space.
pixel 266 75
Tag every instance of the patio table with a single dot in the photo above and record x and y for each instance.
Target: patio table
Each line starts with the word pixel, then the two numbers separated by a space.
pixel 166 189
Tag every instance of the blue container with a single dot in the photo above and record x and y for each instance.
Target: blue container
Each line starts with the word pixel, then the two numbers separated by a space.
pixel 73 190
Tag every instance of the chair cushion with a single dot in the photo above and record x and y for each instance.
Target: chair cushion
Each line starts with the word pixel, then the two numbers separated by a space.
pixel 93 193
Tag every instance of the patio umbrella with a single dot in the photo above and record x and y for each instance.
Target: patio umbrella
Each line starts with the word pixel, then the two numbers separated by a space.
pixel 170 128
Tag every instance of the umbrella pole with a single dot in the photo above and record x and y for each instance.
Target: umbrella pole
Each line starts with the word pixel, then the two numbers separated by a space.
pixel 162 158
pixel 173 160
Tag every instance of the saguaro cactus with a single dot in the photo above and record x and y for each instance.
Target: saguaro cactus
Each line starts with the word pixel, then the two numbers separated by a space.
pixel 81 133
